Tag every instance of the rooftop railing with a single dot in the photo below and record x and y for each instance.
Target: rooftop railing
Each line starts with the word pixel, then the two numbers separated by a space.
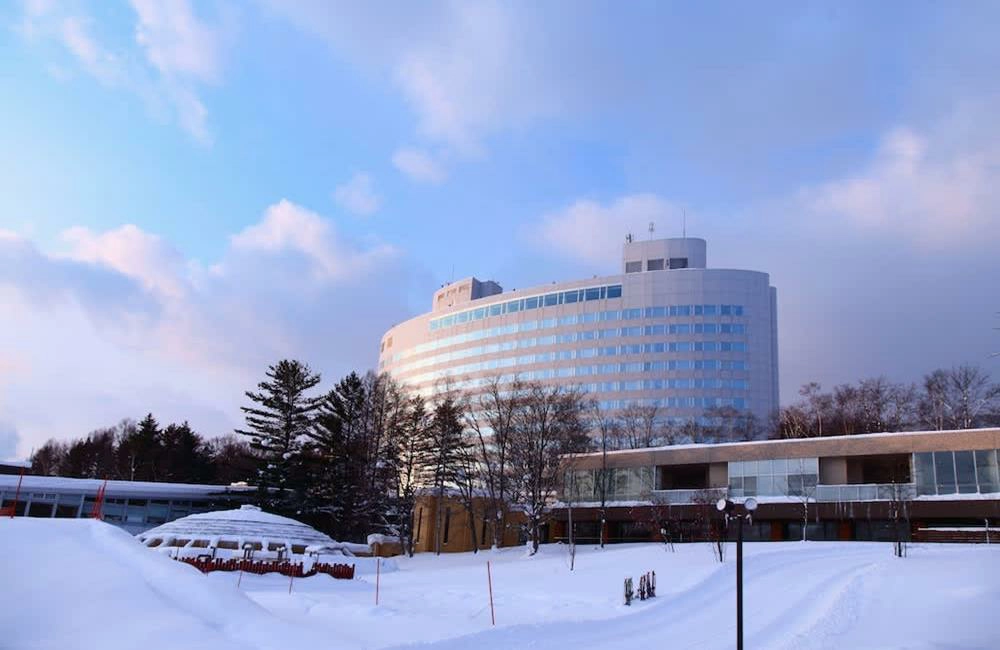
pixel 866 492
pixel 687 497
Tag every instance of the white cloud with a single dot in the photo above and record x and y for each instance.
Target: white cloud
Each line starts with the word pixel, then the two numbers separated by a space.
pixel 937 188
pixel 593 232
pixel 358 195
pixel 288 227
pixel 121 323
pixel 179 52
pixel 176 42
pixel 132 252
pixel 419 165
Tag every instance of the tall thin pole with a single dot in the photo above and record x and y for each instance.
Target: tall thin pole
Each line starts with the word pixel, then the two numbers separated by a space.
pixel 489 578
pixel 378 575
pixel 739 584
pixel 17 496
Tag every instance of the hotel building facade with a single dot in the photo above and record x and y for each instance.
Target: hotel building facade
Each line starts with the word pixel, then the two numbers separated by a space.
pixel 668 331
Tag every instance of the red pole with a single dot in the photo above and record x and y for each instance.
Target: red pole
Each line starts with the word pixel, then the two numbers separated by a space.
pixel 17 494
pixel 489 578
pixel 378 571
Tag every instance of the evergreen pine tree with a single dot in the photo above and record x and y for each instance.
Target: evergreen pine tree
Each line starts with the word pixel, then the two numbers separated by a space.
pixel 282 415
pixel 185 456
pixel 139 450
pixel 441 455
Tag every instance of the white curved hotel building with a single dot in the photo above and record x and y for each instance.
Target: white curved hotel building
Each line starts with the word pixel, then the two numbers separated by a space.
pixel 667 331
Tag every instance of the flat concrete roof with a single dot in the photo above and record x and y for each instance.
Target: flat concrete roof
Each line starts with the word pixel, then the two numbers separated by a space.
pixel 871 444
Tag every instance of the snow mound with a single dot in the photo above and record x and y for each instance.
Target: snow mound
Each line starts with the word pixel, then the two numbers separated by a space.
pixel 80 583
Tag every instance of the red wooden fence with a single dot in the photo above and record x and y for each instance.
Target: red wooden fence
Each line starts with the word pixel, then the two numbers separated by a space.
pixel 260 567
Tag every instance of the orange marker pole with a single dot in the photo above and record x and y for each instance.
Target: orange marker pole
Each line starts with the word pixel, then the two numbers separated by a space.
pixel 489 578
pixel 17 495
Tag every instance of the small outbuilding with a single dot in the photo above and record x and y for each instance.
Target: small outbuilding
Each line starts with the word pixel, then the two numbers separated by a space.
pixel 246 532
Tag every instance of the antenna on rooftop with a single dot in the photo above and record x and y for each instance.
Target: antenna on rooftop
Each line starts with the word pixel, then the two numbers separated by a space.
pixel 652 228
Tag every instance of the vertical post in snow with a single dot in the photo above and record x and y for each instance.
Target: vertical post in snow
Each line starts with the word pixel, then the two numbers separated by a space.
pixel 17 495
pixel 291 576
pixel 240 579
pixel 378 574
pixel 489 579
pixel 739 585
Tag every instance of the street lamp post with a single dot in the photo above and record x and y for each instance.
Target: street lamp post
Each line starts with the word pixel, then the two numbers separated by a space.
pixel 728 507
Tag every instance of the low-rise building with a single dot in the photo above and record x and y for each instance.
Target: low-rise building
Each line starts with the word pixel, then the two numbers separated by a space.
pixel 135 506
pixel 833 488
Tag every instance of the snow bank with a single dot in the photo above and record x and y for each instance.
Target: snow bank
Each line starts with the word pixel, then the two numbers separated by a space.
pixel 83 584
pixel 80 583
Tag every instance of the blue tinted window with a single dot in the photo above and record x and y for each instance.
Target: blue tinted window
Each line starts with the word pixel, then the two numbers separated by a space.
pixel 570 296
pixel 698 310
pixel 737 310
pixel 592 294
pixel 496 310
pixel 551 299
pixel 726 310
pixel 710 310
pixel 615 291
pixel 513 306
pixel 462 317
pixel 531 303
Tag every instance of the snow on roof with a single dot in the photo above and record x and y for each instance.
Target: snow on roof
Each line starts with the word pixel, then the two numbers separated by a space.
pixel 781 441
pixel 118 488
pixel 247 523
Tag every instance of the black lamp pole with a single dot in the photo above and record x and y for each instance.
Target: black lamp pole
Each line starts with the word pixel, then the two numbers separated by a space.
pixel 739 584
pixel 728 507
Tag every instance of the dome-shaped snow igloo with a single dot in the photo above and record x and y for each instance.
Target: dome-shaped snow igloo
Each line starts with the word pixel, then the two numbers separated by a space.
pixel 247 532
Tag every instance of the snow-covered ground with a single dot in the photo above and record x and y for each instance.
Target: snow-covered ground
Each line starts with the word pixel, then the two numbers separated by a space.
pixel 83 584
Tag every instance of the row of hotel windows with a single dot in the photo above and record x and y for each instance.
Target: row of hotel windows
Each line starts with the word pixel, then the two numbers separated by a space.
pixel 533 302
pixel 575 296
pixel 777 477
pixel 573 337
pixel 569 320
pixel 737 403
pixel 957 472
pixel 582 353
pixel 605 368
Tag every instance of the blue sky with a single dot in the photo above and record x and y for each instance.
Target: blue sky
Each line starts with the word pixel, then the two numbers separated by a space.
pixel 192 190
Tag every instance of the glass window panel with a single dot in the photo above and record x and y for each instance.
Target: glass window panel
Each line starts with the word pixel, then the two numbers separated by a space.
pixel 764 467
pixel 570 296
pixel 987 471
pixel 531 303
pixel 944 467
pixel 615 291
pixel 749 468
pixel 735 469
pixel 923 470
pixel 592 294
pixel 735 483
pixel 780 484
pixel 764 486
pixel 750 486
pixel 965 471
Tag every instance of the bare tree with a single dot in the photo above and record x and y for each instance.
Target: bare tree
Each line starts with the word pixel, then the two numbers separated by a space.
pixel 640 425
pixel 820 404
pixel 492 417
pixel 971 394
pixel 549 423
pixel 608 431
